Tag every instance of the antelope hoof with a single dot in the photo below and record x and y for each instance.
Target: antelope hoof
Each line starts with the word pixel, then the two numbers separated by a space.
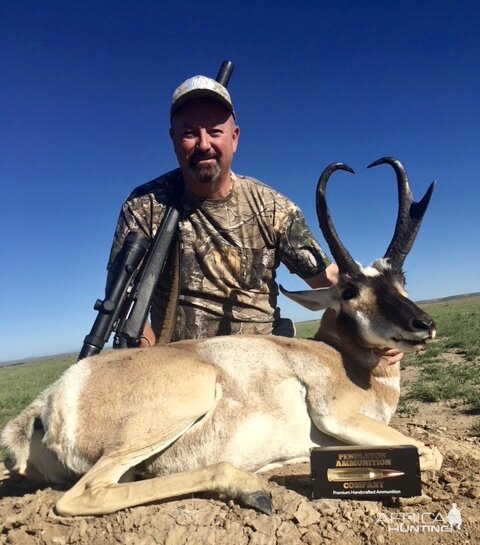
pixel 258 500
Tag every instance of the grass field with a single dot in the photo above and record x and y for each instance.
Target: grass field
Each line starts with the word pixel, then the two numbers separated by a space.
pixel 446 378
pixel 458 324
pixel 20 384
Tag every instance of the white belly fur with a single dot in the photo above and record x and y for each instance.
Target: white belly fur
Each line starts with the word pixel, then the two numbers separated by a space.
pixel 262 438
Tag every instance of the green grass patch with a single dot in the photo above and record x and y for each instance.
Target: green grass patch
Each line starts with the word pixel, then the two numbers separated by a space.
pixel 446 378
pixel 442 382
pixel 20 385
pixel 406 406
pixel 306 330
pixel 458 325
pixel 475 430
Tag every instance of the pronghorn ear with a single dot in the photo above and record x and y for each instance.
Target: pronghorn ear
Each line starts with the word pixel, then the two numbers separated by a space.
pixel 318 299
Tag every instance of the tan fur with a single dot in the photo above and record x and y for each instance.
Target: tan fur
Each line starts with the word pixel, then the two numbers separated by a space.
pixel 199 415
pixel 16 436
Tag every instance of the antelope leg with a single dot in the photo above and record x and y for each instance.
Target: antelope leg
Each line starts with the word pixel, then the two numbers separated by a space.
pixel 99 492
pixel 359 429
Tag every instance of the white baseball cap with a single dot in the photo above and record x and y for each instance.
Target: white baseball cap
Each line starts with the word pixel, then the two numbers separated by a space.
pixel 199 87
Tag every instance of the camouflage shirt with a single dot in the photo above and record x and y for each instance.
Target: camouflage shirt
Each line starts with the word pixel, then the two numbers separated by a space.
pixel 230 251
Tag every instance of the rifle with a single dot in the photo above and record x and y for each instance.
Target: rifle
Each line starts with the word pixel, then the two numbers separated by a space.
pixel 133 276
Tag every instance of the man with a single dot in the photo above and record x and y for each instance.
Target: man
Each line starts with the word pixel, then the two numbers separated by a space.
pixel 234 230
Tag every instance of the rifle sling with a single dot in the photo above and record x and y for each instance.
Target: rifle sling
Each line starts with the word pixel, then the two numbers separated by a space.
pixel 168 324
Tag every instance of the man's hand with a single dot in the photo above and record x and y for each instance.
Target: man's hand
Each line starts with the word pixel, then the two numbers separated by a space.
pixel 147 337
pixel 392 355
pixel 325 279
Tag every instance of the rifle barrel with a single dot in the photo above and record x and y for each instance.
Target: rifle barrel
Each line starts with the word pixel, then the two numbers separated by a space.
pixel 225 73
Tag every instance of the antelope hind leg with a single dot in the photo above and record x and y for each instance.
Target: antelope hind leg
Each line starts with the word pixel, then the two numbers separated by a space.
pixel 99 492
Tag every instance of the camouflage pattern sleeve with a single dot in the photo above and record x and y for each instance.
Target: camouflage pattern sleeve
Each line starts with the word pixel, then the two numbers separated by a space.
pixel 144 208
pixel 134 216
pixel 298 249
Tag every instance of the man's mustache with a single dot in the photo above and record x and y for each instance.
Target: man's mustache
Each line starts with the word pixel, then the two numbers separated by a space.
pixel 197 157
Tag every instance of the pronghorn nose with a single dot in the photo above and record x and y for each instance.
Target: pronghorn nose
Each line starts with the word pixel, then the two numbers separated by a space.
pixel 422 325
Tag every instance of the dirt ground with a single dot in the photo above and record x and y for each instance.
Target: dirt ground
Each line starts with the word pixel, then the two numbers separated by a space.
pixel 27 517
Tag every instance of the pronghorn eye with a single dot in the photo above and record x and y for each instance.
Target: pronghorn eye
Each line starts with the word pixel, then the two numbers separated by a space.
pixel 349 293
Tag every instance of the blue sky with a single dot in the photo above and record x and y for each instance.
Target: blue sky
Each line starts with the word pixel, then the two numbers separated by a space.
pixel 84 104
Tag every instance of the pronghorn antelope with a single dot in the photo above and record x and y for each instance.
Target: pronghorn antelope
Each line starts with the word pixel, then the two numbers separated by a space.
pixel 130 427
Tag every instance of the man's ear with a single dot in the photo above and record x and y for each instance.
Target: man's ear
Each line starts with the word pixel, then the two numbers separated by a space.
pixel 235 138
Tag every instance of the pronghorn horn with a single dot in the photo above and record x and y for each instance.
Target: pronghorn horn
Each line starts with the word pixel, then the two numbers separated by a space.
pixel 343 259
pixel 410 214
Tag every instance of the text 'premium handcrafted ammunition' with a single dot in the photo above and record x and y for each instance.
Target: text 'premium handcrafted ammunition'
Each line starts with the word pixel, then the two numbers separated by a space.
pixel 365 472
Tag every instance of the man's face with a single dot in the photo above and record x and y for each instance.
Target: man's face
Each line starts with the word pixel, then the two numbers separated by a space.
pixel 205 139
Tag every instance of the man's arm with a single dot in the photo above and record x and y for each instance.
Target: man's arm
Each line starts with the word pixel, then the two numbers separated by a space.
pixel 324 279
